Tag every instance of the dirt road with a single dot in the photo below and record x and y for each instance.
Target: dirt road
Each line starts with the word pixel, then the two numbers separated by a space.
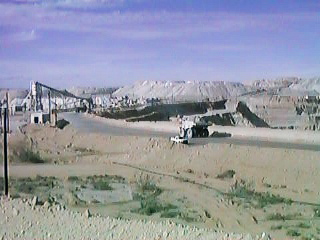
pixel 86 124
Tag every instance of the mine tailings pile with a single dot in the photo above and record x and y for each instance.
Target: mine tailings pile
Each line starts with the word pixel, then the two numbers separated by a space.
pixel 162 112
pixel 250 116
pixel 227 118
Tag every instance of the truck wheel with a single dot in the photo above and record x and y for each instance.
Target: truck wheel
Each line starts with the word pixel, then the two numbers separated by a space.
pixel 189 133
pixel 205 133
pixel 199 133
pixel 195 132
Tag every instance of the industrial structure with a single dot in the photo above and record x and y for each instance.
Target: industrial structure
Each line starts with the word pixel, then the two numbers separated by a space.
pixel 46 101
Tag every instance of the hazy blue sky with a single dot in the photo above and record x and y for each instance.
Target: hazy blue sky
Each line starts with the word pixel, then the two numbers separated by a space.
pixel 116 42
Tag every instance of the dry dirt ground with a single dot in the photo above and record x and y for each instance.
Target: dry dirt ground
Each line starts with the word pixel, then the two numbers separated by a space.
pixel 20 219
pixel 221 187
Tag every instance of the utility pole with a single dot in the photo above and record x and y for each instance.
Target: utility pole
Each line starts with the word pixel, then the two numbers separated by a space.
pixel 8 113
pixel 5 150
pixel 50 111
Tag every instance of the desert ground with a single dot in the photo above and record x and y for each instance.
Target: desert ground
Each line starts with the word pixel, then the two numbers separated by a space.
pixel 68 182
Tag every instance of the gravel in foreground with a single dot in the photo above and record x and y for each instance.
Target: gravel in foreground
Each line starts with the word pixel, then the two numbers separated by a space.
pixel 24 219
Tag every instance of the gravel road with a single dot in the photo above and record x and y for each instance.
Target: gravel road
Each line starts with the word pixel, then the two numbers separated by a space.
pixel 87 124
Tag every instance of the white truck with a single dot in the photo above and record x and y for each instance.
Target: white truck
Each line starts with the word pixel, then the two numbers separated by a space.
pixel 193 127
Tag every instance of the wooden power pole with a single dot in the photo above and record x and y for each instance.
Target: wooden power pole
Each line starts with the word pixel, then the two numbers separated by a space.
pixel 8 113
pixel 50 111
pixel 5 151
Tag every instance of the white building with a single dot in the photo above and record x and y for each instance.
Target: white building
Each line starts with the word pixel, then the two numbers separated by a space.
pixel 39 118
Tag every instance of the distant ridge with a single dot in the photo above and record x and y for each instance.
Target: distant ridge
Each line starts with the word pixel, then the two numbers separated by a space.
pixel 197 91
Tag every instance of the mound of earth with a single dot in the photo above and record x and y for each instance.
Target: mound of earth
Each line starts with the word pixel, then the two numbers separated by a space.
pixel 89 91
pixel 311 85
pixel 275 83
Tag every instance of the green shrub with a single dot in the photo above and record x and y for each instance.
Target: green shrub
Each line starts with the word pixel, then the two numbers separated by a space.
pixel 170 214
pixel 281 217
pixel 246 191
pixel 73 178
pixel 102 185
pixel 316 212
pixel 146 188
pixel 27 155
pixel 303 225
pixel 276 227
pixel 31 185
pixel 293 233
pixel 151 206
pixel 26 187
pixel 309 236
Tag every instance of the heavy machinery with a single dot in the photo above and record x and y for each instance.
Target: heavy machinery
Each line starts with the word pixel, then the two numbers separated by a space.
pixel 193 127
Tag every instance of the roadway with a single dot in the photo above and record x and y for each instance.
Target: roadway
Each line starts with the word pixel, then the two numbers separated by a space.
pixel 85 124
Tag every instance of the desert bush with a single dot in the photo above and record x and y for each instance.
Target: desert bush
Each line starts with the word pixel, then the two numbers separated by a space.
pixel 102 184
pixel 276 227
pixel 187 218
pixel 99 183
pixel 151 206
pixel 27 155
pixel 26 187
pixel 293 233
pixel 303 225
pixel 146 187
pixel 30 186
pixel 82 150
pixel 147 192
pixel 170 213
pixel 309 236
pixel 316 212
pixel 246 192
pixel 73 178
pixel 226 174
pixel 282 217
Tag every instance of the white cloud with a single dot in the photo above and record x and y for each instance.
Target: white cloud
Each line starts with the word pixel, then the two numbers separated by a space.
pixel 140 25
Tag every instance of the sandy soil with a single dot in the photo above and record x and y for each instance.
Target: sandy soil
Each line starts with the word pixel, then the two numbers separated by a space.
pixel 188 177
